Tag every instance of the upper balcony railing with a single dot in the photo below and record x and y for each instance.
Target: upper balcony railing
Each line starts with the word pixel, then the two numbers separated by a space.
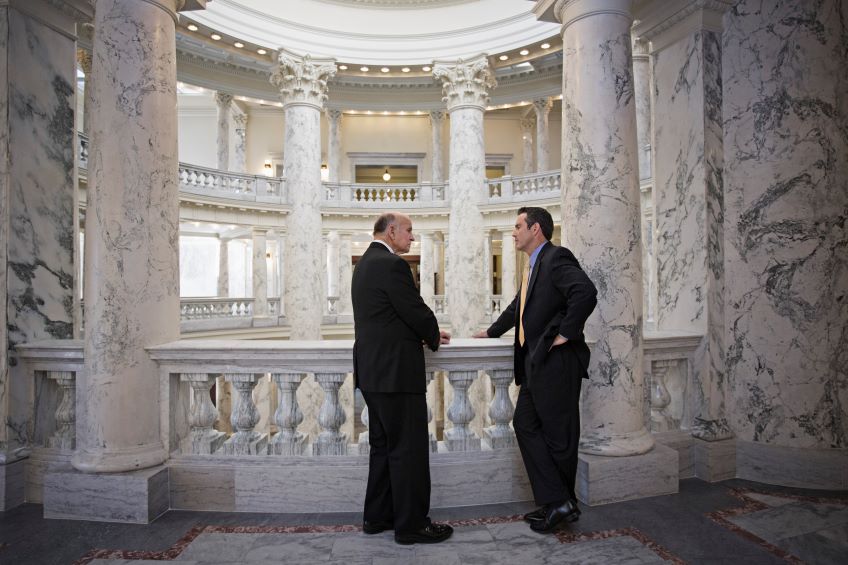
pixel 207 182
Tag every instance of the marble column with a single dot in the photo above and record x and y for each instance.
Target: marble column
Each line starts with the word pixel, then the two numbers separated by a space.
pixel 84 61
pixel 345 275
pixel 334 144
pixel 465 86
pixel 240 124
pixel 527 134
pixel 224 103
pixel 689 204
pixel 600 204
pixel 427 268
pixel 302 82
pixel 223 268
pixel 37 207
pixel 542 107
pixel 785 126
pixel 437 121
pixel 332 263
pixel 131 239
pixel 260 274
pixel 508 284
pixel 281 273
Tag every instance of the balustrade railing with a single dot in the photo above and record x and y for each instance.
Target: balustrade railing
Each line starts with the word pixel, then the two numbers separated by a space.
pixel 344 194
pixel 207 181
pixel 211 308
pixel 668 365
pixel 523 187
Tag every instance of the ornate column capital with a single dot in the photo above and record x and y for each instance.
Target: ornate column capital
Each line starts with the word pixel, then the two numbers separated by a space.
pixel 302 80
pixel 639 45
pixel 569 11
pixel 542 106
pixel 240 121
pixel 84 61
pixel 223 100
pixel 437 116
pixel 527 125
pixel 334 115
pixel 466 83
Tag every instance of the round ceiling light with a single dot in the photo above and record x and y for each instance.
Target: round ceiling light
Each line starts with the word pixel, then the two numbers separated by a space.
pixel 216 37
pixel 426 69
pixel 238 44
pixel 261 51
pixel 524 52
pixel 364 69
pixel 192 27
pixel 342 67
pixel 405 69
pixel 384 70
pixel 503 57
pixel 545 46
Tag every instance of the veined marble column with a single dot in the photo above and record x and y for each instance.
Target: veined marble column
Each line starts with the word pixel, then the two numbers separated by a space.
pixel 345 275
pixel 281 273
pixel 333 247
pixel 466 86
pixel 542 108
pixel 527 131
pixel 334 144
pixel 427 268
pixel 132 228
pixel 240 123
pixel 437 120
pixel 302 82
pixel 260 274
pixel 508 290
pixel 37 208
pixel 600 204
pixel 223 268
pixel 224 102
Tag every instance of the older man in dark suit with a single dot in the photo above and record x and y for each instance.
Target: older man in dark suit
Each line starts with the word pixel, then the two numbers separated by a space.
pixel 391 322
pixel 551 357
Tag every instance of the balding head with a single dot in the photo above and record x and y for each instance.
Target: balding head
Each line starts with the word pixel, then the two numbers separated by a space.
pixel 395 229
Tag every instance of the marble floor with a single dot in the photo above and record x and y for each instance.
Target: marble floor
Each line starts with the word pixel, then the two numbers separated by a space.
pixel 730 522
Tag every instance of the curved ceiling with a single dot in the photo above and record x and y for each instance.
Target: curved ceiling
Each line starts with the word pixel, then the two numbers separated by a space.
pixel 380 32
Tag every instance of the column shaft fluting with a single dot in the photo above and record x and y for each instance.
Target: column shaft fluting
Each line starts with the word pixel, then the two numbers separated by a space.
pixel 302 82
pixel 132 226
pixel 600 204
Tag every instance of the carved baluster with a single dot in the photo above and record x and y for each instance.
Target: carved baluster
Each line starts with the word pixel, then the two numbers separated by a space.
pixel 245 416
pixel 364 437
pixel 331 416
pixel 500 435
pixel 288 441
pixel 434 444
pixel 202 439
pixel 460 437
pixel 660 398
pixel 66 415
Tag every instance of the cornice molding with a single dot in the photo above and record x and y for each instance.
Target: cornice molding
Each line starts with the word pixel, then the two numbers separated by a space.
pixel 664 22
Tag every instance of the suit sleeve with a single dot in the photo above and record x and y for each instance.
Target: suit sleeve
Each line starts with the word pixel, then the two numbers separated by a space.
pixel 410 307
pixel 505 321
pixel 580 296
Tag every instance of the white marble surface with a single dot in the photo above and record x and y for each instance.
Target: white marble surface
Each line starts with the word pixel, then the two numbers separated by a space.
pixel 437 122
pixel 542 107
pixel 609 479
pixel 786 137
pixel 224 103
pixel 302 83
pixel 334 144
pixel 240 147
pixel 37 149
pixel 346 274
pixel 600 202
pixel 427 268
pixel 527 134
pixel 260 274
pixel 132 226
pixel 223 286
pixel 689 212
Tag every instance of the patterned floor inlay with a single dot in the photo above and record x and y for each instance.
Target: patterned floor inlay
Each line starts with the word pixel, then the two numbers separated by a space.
pixel 799 529
pixel 494 540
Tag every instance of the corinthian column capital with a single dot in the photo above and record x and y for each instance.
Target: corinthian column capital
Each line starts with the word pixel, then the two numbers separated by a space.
pixel 302 80
pixel 223 99
pixel 465 83
pixel 84 61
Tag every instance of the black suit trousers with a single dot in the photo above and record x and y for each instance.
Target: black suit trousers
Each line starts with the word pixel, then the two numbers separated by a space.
pixel 399 471
pixel 547 427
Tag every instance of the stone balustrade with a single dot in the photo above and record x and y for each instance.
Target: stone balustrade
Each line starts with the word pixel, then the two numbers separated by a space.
pixel 669 362
pixel 205 181
pixel 521 188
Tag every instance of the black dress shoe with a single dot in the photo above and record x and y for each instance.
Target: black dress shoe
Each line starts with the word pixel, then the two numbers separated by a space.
pixel 535 516
pixel 376 527
pixel 431 533
pixel 567 512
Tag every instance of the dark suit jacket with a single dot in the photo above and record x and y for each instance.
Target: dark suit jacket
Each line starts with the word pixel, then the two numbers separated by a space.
pixel 390 322
pixel 560 297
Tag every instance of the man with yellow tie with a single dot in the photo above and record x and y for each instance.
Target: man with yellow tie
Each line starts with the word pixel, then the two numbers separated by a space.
pixel 551 357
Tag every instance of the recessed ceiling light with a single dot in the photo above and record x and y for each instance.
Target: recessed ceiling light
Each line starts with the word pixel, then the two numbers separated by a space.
pixel 215 36
pixel 261 51
pixel 384 70
pixel 364 69
pixel 238 44
pixel 385 112
pixel 545 46
pixel 192 27
pixel 343 67
pixel 503 57
pixel 405 69
pixel 524 52
pixel 426 69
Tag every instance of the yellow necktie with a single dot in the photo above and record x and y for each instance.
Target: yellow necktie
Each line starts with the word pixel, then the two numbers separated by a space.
pixel 525 280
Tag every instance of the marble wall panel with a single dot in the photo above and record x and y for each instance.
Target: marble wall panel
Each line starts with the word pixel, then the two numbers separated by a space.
pixel 786 139
pixel 39 199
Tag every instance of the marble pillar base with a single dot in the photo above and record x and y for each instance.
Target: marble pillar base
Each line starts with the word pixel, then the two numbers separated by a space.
pixel 203 442
pixel 498 438
pixel 336 484
pixel 41 463
pixel 684 444
pixel 246 443
pixel 460 440
pixel 792 466
pixel 287 444
pixel 137 497
pixel 330 445
pixel 434 443
pixel 364 445
pixel 12 484
pixel 601 479
pixel 714 460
